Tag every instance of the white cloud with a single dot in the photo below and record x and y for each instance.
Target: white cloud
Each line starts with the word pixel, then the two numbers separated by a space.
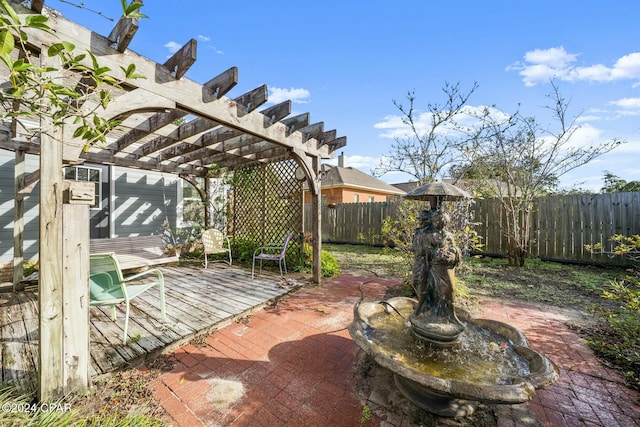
pixel 586 135
pixel 542 65
pixel 627 67
pixel 172 46
pixel 627 103
pixel 555 57
pixel 296 95
pixel 585 118
pixel 206 39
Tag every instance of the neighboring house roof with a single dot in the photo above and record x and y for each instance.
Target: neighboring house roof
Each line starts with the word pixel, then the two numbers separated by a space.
pixel 406 186
pixel 410 185
pixel 337 176
pixel 471 185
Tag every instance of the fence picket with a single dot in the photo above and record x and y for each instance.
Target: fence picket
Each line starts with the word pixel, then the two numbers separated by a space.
pixel 561 225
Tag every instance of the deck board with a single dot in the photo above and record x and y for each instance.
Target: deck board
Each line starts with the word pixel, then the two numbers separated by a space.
pixel 198 301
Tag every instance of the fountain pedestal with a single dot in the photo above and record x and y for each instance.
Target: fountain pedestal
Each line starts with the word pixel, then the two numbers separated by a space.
pixel 442 334
pixel 435 403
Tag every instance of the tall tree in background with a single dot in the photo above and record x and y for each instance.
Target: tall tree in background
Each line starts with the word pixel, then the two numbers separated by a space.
pixel 432 142
pixel 434 137
pixel 615 184
pixel 515 160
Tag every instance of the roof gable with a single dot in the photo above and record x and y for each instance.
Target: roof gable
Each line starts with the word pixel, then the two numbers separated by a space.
pixel 337 176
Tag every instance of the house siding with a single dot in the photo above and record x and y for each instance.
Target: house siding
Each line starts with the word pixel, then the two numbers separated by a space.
pixel 140 203
pixel 347 195
pixel 31 211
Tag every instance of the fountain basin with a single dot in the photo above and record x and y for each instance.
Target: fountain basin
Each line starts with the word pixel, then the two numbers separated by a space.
pixel 492 364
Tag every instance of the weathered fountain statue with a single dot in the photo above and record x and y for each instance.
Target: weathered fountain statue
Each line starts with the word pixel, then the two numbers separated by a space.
pixel 443 360
pixel 435 257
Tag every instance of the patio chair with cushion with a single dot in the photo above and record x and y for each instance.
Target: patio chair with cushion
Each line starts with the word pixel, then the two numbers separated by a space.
pixel 107 286
pixel 272 253
pixel 214 242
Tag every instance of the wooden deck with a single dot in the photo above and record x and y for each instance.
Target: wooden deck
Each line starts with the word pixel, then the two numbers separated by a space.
pixel 198 301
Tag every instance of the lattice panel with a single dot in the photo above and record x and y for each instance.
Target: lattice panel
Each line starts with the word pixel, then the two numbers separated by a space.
pixel 267 204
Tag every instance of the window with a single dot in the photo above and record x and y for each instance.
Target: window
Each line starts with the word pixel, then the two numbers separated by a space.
pixel 371 199
pixel 84 173
pixel 192 207
pixel 356 198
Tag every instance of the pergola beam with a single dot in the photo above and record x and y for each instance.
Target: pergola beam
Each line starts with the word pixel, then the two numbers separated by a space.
pixel 276 113
pixel 187 130
pixel 152 124
pixel 182 60
pixel 218 86
pixel 123 33
pixel 251 100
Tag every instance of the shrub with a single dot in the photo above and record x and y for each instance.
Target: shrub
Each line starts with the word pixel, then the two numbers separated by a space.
pixel 243 249
pixel 624 344
pixel 329 266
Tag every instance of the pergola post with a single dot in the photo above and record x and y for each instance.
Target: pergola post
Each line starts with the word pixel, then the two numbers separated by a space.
pixel 50 275
pixel 18 219
pixel 316 224
pixel 78 197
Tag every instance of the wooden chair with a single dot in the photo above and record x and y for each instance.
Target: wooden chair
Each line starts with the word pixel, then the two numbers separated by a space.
pixel 272 253
pixel 107 286
pixel 214 242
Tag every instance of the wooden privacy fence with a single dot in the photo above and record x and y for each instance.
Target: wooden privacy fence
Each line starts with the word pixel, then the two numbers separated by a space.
pixel 561 225
pixel 351 222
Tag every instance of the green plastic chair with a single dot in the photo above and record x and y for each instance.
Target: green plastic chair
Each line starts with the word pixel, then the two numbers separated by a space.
pixel 107 286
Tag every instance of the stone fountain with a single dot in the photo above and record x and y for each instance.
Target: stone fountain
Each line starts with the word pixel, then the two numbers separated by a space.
pixel 442 359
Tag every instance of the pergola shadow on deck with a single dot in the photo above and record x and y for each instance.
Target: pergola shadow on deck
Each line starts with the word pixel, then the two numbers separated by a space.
pixel 198 301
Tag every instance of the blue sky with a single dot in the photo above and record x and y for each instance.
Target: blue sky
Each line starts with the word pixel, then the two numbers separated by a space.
pixel 345 62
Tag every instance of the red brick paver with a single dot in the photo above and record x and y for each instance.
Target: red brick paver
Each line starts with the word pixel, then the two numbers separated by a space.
pixel 587 393
pixel 295 365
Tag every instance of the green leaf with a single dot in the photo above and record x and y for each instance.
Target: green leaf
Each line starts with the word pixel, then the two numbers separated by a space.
pixel 130 72
pixel 7 61
pixel 21 65
pixel 105 97
pixel 102 70
pixel 47 69
pixel 7 43
pixel 18 91
pixel 94 60
pixel 12 13
pixel 132 10
pixel 55 49
pixel 37 21
pixel 79 131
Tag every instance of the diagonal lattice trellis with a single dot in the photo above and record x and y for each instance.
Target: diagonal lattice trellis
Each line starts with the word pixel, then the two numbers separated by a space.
pixel 266 205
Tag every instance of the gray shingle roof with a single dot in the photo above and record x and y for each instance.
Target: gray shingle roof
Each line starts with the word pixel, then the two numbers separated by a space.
pixel 336 176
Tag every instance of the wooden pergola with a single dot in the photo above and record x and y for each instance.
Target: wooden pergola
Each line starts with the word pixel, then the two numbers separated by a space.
pixel 169 124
